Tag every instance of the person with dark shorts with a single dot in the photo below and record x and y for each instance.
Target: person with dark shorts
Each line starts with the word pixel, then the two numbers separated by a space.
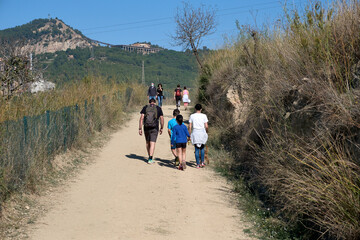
pixel 178 96
pixel 182 135
pixel 171 124
pixel 150 116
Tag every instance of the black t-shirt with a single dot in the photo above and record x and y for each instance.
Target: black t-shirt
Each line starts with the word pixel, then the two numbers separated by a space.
pixel 159 113
pixel 160 92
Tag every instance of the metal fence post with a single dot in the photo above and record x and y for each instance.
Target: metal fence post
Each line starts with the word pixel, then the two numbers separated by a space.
pixel 65 126
pixel 25 122
pixel 48 134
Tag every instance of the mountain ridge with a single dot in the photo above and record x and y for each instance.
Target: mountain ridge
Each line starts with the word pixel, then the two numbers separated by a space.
pixel 46 36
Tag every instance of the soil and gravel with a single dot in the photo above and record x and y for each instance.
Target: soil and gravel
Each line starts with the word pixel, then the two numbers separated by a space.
pixel 120 196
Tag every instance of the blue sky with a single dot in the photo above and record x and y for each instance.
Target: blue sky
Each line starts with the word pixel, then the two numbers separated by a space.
pixel 126 22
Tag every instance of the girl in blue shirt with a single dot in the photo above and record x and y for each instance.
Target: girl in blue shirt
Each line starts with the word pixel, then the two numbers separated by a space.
pixel 181 133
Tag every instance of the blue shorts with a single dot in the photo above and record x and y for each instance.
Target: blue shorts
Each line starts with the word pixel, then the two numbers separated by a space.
pixel 173 144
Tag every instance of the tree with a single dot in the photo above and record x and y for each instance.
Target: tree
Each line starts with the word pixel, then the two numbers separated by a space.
pixel 192 25
pixel 15 74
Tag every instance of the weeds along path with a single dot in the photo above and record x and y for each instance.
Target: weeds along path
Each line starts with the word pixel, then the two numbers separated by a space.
pixel 120 196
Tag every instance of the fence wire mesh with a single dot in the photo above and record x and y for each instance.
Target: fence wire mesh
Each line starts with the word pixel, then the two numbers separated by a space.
pixel 33 141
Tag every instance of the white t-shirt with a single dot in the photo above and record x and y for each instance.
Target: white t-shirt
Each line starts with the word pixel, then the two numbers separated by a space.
pixel 198 120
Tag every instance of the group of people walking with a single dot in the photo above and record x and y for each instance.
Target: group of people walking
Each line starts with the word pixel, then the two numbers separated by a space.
pixel 179 94
pixel 151 124
pixel 156 93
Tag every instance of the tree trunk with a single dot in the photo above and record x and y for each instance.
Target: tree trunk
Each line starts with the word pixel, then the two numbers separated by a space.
pixel 196 53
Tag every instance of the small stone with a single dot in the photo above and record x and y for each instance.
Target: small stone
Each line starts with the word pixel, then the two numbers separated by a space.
pixel 27 207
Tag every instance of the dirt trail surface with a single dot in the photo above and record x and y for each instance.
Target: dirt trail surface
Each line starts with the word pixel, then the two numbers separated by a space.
pixel 120 196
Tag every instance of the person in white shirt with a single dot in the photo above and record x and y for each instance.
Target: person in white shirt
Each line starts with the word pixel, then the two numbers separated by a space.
pixel 198 129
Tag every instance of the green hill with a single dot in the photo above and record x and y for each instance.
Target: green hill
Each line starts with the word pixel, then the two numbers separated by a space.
pixel 167 66
pixel 69 56
pixel 33 30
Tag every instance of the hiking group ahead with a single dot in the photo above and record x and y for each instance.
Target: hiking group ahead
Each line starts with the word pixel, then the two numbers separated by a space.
pixel 151 124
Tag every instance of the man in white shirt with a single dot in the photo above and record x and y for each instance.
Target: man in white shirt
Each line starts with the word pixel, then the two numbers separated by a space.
pixel 198 129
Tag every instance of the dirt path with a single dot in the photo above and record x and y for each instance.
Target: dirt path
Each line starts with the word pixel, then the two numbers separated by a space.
pixel 120 196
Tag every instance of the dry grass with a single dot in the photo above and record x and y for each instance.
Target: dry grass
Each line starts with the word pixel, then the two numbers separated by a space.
pixel 89 88
pixel 35 128
pixel 294 124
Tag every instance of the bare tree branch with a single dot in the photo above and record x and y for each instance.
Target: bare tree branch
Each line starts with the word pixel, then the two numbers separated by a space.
pixel 15 71
pixel 192 25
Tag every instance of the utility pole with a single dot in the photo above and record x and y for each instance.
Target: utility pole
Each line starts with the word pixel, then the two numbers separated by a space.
pixel 31 62
pixel 143 74
pixel 92 52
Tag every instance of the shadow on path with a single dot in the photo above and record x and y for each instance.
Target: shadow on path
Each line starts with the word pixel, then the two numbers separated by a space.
pixel 165 162
pixel 137 157
pixel 160 161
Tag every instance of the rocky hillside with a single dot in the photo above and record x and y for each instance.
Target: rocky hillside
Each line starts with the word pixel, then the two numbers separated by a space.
pixel 46 36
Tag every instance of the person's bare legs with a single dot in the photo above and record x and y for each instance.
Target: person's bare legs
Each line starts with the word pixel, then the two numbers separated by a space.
pixel 174 152
pixel 184 157
pixel 150 147
pixel 179 153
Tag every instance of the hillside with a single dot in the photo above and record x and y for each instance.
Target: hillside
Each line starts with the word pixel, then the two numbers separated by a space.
pixel 69 56
pixel 46 35
pixel 286 106
pixel 167 66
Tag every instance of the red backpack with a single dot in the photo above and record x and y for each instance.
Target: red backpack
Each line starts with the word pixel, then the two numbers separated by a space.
pixel 178 92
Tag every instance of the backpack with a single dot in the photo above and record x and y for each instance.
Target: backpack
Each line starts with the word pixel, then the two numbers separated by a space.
pixel 178 92
pixel 150 117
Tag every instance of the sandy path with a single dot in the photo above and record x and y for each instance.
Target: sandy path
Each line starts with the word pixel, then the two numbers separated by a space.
pixel 120 196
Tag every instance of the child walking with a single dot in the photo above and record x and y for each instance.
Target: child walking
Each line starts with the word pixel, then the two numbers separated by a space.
pixel 181 133
pixel 198 125
pixel 171 124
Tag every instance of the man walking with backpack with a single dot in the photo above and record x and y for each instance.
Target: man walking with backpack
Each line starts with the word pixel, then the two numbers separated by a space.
pixel 178 96
pixel 150 116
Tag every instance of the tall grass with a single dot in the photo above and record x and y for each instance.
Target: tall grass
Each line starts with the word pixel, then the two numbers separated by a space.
pixel 287 100
pixel 34 128
pixel 90 87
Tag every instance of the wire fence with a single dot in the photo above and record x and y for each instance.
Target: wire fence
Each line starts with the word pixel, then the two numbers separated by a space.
pixel 29 144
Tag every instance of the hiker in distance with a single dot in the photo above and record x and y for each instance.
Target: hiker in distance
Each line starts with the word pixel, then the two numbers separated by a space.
pixel 152 93
pixel 149 118
pixel 178 96
pixel 185 98
pixel 171 124
pixel 198 127
pixel 160 95
pixel 181 133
